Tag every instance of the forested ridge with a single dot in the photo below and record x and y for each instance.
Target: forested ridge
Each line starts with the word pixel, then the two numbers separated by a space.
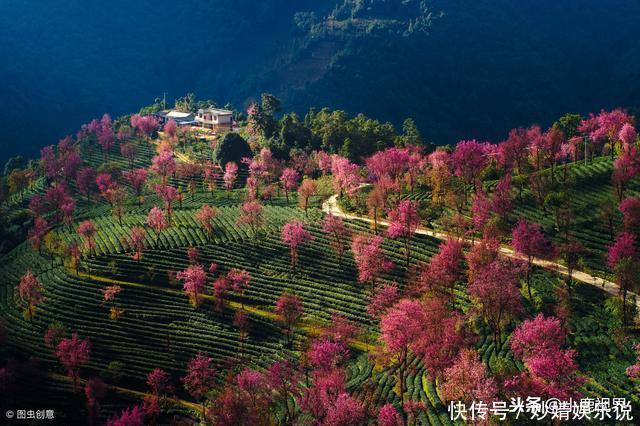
pixel 459 69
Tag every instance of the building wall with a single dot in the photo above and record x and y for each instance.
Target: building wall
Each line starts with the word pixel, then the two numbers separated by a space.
pixel 225 119
pixel 216 120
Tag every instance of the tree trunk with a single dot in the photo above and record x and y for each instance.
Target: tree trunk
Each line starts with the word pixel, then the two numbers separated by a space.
pixel 624 306
pixel 375 220
pixel 407 247
pixel 529 268
pixel 498 331
pixel 401 374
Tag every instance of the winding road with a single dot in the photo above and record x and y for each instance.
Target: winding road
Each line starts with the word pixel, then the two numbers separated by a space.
pixel 331 206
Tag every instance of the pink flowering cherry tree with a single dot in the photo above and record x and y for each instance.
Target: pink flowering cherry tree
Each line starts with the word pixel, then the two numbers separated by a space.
pixel 30 293
pixel 164 165
pixel 194 279
pixel 230 175
pixel 630 208
pixel 468 160
pixel 128 151
pixel 495 292
pixel 135 241
pixel 87 230
pixel 444 270
pixel 403 223
pixel 529 241
pixel 251 214
pixel 389 416
pixel 145 125
pixel 106 137
pixel 157 221
pixel 289 180
pixel 622 258
pixel 308 188
pixel 289 310
pixel 205 216
pixel 468 380
pixel 400 327
pixel 73 353
pixel 109 295
pixel 137 179
pixel 239 281
pixel 384 297
pixel 369 257
pixel 200 378
pixel 294 235
pixel 159 381
pixel 339 234
pixel 37 233
pixel 551 371
pixel 633 371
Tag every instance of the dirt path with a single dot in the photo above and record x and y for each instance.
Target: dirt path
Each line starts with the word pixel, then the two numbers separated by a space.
pixel 331 206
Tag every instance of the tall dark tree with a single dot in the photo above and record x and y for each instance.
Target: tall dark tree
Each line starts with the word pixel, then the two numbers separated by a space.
pixel 232 147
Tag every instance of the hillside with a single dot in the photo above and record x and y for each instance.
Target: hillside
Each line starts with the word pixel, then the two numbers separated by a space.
pixel 460 69
pixel 146 281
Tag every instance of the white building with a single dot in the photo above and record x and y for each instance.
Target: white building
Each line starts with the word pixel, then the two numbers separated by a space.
pixel 181 118
pixel 214 118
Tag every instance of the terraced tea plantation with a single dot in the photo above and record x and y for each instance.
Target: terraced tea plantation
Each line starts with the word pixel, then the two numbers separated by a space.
pixel 282 243
pixel 592 198
pixel 160 329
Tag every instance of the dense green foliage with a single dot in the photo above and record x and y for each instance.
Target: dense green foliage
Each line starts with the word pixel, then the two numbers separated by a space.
pixel 232 147
pixel 331 131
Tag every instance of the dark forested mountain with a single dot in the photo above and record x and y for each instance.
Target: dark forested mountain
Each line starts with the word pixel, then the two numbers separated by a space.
pixel 460 68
